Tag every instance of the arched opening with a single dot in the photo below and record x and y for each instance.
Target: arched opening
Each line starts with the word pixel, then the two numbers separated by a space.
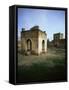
pixel 43 46
pixel 29 45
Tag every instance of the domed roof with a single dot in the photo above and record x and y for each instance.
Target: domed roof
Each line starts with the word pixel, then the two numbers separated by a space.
pixel 34 28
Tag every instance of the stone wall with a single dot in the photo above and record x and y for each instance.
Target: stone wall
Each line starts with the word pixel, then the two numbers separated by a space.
pixel 42 36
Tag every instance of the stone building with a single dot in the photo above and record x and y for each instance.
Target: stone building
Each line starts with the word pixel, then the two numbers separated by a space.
pixel 58 40
pixel 58 36
pixel 33 41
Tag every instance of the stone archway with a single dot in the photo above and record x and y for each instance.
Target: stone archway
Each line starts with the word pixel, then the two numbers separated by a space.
pixel 29 45
pixel 43 46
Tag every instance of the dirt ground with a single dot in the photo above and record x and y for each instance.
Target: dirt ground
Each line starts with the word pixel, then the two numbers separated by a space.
pixel 52 54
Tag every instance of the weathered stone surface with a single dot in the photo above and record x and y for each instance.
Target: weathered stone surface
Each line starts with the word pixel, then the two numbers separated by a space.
pixel 34 41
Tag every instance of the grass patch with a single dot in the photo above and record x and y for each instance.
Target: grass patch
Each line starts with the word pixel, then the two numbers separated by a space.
pixel 49 67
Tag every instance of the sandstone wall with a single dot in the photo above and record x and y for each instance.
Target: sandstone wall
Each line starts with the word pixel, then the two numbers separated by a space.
pixel 31 35
pixel 42 36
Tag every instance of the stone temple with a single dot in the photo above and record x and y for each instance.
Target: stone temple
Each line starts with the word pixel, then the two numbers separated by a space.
pixel 33 41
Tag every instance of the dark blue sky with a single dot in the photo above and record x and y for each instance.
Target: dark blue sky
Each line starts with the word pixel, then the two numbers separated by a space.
pixel 51 21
